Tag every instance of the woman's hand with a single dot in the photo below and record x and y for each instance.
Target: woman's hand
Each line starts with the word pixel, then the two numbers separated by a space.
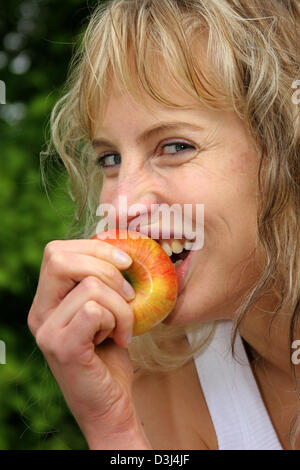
pixel 81 297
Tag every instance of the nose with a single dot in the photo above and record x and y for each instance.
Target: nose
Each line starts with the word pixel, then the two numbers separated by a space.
pixel 133 199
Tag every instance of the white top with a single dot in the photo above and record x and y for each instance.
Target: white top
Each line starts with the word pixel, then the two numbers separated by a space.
pixel 238 413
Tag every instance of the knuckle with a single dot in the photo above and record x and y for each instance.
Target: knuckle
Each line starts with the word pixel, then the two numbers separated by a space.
pixel 32 318
pixel 126 317
pixel 91 284
pixel 111 272
pixel 55 262
pixel 42 339
pixel 51 344
pixel 31 322
pixel 51 248
pixel 102 249
pixel 91 308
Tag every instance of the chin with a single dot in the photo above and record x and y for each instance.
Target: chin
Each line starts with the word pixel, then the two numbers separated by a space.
pixel 191 308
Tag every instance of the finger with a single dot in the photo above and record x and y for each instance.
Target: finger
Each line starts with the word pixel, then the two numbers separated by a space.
pixel 93 289
pixel 101 336
pixel 70 353
pixel 65 269
pixel 98 248
pixel 90 321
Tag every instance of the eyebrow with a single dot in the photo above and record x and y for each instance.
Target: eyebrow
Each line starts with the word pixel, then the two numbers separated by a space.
pixel 146 135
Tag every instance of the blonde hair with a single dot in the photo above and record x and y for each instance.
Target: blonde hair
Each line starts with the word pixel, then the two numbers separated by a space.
pixel 252 51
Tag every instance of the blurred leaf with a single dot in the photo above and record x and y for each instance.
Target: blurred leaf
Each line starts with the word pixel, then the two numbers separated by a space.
pixel 33 413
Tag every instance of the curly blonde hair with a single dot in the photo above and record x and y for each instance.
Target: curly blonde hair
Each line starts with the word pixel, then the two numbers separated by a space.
pixel 252 47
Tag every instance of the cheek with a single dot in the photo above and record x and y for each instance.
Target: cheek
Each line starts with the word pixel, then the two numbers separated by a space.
pixel 229 195
pixel 108 193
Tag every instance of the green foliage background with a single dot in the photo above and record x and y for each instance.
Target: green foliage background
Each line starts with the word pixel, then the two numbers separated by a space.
pixel 37 38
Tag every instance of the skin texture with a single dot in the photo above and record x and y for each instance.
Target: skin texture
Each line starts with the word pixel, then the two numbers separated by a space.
pixel 80 297
pixel 220 171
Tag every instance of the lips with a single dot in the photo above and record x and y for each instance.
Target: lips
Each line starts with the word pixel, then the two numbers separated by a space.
pixel 182 270
pixel 180 256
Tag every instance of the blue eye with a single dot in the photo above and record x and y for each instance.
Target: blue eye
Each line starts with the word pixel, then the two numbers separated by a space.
pixel 178 146
pixel 101 160
pixel 110 160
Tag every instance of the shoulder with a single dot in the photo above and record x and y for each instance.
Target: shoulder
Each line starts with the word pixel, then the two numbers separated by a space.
pixel 173 410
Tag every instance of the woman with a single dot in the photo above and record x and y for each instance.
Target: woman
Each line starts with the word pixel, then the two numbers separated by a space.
pixel 216 78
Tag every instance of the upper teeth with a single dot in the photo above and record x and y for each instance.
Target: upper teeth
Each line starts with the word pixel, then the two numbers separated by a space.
pixel 176 246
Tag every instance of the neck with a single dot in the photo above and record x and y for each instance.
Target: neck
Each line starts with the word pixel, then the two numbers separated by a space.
pixel 267 334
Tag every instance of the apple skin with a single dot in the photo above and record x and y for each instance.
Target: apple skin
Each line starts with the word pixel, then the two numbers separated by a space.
pixel 151 274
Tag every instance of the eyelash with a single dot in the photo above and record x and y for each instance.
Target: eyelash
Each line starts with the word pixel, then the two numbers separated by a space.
pixel 101 158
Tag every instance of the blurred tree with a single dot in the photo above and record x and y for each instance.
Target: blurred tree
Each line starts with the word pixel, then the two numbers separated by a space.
pixel 37 38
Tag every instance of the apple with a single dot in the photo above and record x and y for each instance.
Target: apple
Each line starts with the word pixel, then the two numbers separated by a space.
pixel 151 274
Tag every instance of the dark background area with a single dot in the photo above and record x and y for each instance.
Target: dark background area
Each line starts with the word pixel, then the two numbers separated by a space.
pixel 37 39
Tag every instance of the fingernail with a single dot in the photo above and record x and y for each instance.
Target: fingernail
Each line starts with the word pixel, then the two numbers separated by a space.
pixel 121 257
pixel 128 290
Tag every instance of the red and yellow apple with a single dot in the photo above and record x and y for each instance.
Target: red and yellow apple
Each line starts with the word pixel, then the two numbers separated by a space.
pixel 151 274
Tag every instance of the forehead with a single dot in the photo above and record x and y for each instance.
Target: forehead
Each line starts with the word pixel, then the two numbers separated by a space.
pixel 119 99
pixel 158 85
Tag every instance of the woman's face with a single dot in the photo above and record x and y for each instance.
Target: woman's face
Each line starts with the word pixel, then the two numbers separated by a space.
pixel 217 166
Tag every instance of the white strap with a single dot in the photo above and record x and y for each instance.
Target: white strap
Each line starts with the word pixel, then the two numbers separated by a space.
pixel 237 410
